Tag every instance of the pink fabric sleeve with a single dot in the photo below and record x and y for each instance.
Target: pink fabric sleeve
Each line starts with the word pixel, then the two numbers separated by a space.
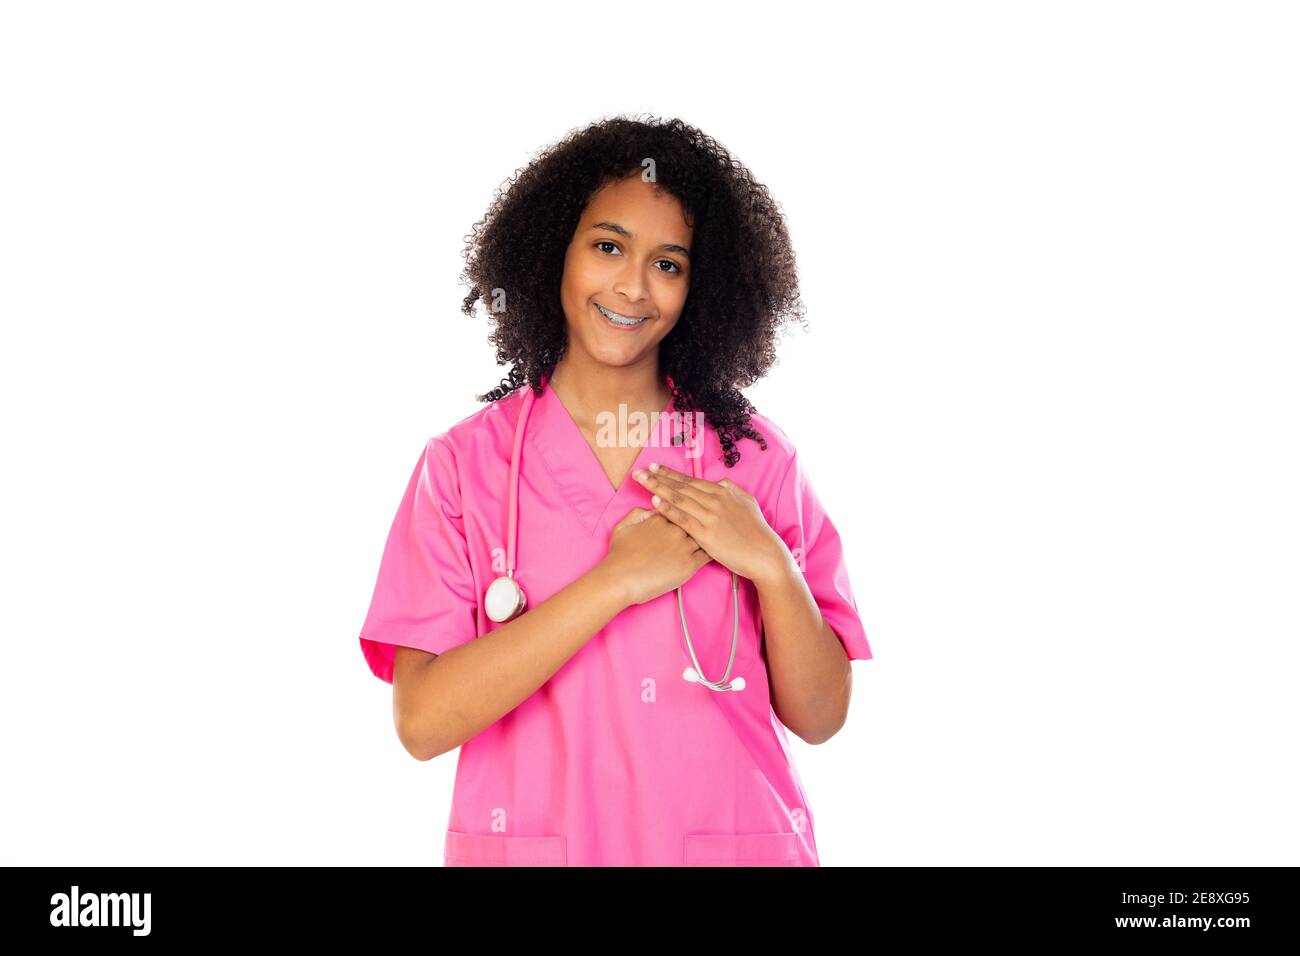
pixel 815 544
pixel 425 595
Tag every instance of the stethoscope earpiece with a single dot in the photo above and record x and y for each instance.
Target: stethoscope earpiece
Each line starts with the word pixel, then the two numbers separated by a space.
pixel 737 683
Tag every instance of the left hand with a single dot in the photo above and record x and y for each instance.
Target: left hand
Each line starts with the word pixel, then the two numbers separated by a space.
pixel 722 517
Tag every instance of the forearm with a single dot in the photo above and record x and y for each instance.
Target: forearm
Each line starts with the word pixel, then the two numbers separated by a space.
pixel 808 670
pixel 472 686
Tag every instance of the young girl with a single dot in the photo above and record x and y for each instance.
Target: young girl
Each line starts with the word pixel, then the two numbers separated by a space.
pixel 616 624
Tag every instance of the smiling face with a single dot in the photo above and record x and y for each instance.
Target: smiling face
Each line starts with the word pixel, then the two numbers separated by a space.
pixel 629 255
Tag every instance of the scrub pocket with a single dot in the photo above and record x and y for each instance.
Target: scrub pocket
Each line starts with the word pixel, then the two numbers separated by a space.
pixel 742 849
pixel 494 849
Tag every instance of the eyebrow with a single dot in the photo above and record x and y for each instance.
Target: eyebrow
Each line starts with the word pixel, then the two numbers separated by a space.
pixel 616 228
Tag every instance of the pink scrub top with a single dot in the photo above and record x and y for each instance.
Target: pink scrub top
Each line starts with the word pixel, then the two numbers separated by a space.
pixel 616 760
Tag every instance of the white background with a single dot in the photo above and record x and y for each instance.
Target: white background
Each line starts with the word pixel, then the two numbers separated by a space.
pixel 1048 394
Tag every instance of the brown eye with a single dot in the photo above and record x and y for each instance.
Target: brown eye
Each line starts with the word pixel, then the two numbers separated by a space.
pixel 676 269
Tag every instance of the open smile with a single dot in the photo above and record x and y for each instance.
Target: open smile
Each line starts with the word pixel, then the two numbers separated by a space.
pixel 621 321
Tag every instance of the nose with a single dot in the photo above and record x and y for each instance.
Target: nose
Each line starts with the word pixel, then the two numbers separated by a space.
pixel 631 285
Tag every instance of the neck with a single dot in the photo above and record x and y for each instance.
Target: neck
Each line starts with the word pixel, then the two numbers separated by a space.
pixel 588 388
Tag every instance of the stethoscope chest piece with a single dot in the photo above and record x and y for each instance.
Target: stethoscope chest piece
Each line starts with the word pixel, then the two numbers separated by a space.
pixel 504 599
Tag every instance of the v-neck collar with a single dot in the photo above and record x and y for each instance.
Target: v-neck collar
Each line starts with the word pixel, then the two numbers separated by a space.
pixel 579 476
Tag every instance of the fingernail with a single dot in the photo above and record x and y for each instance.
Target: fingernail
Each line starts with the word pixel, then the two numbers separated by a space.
pixel 655 499
pixel 654 466
pixel 639 475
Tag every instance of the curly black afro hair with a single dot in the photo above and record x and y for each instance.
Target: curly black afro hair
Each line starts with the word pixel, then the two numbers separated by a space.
pixel 743 288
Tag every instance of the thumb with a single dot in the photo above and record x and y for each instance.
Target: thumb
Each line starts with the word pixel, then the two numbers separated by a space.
pixel 635 516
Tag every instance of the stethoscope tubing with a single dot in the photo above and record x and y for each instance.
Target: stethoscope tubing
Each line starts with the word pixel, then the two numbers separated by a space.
pixel 694 673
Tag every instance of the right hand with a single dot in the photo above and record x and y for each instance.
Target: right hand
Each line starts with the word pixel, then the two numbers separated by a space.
pixel 650 555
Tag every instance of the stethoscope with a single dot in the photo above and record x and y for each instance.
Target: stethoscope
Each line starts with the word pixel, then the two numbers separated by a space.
pixel 504 598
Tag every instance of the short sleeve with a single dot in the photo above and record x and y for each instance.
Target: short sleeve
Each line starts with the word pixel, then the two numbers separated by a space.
pixel 813 540
pixel 424 596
